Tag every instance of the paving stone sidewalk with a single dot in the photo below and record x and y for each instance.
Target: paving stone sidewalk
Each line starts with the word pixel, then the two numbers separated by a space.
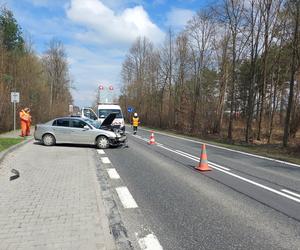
pixel 56 202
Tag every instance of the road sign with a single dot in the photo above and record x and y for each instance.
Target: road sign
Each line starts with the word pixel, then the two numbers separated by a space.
pixel 15 97
pixel 130 109
pixel 71 108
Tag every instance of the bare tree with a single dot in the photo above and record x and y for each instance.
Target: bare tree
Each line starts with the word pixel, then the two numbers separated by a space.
pixel 293 8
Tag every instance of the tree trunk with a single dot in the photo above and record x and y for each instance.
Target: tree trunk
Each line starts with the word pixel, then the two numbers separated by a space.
pixel 293 71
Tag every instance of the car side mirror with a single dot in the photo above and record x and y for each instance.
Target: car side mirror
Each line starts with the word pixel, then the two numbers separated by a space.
pixel 86 127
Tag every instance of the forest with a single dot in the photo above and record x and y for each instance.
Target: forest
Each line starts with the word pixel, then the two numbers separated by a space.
pixel 233 73
pixel 42 80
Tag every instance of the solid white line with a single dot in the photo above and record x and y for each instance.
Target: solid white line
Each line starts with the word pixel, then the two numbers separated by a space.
pixel 209 162
pixel 150 242
pixel 261 186
pixel 228 149
pixel 105 160
pixel 290 192
pixel 194 158
pixel 240 177
pixel 218 166
pixel 100 151
pixel 113 174
pixel 226 171
pixel 126 197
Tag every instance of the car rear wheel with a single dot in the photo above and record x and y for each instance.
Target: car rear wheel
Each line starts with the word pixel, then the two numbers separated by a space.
pixel 102 142
pixel 48 140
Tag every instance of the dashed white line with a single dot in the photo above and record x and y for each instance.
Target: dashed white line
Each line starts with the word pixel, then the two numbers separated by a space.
pixel 290 192
pixel 150 242
pixel 126 197
pixel 100 151
pixel 105 160
pixel 113 174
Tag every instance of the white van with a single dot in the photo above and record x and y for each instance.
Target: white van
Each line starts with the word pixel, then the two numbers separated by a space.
pixel 102 111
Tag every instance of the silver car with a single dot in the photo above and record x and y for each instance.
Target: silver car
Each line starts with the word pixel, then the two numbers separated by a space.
pixel 79 131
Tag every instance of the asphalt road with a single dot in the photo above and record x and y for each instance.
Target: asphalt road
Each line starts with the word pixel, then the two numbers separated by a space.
pixel 245 202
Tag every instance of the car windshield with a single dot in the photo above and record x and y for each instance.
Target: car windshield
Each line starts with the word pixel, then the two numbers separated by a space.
pixel 103 113
pixel 92 122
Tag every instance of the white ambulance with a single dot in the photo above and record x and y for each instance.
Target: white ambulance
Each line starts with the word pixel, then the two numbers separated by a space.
pixel 101 111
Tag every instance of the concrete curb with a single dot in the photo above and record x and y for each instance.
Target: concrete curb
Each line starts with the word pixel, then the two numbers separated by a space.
pixel 4 153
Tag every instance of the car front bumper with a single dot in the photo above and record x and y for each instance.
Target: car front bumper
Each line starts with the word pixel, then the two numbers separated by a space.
pixel 118 140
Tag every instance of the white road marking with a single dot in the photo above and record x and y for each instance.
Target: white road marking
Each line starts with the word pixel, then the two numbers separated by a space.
pixel 218 166
pixel 150 242
pixel 209 162
pixel 228 149
pixel 290 192
pixel 100 151
pixel 126 197
pixel 105 160
pixel 226 171
pixel 241 178
pixel 113 174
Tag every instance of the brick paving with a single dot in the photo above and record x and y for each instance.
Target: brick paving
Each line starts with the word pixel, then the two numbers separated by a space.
pixel 56 202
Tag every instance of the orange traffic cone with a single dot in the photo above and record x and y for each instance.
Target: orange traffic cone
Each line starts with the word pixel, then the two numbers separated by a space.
pixel 203 164
pixel 152 139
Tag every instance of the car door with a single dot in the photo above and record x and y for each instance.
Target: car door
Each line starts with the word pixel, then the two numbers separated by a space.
pixel 82 133
pixel 89 113
pixel 61 129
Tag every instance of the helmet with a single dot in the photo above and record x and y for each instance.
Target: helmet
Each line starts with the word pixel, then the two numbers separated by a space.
pixel 135 114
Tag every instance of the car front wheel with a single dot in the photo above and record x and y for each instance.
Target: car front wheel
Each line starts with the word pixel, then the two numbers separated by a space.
pixel 102 142
pixel 48 140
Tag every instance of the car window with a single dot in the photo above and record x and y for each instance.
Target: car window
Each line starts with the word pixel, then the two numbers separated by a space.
pixel 92 122
pixel 89 114
pixel 103 113
pixel 78 124
pixel 61 123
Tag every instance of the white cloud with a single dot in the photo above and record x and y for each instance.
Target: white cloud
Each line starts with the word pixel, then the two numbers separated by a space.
pixel 178 18
pixel 104 26
pixel 89 68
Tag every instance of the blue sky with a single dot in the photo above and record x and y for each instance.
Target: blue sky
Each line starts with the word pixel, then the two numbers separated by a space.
pixel 98 33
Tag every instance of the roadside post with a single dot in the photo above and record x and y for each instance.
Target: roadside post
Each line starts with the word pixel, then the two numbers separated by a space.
pixel 15 98
pixel 101 88
pixel 71 109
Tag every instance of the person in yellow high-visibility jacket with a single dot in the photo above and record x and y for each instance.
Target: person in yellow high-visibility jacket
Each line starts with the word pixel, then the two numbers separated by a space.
pixel 135 122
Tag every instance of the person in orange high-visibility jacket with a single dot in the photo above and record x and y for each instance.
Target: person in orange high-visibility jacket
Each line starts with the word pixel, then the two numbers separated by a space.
pixel 135 122
pixel 25 121
pixel 28 124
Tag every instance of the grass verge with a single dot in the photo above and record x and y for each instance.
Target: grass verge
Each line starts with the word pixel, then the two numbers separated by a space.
pixel 5 143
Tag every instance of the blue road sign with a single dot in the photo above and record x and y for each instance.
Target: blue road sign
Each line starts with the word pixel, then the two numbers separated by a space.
pixel 130 109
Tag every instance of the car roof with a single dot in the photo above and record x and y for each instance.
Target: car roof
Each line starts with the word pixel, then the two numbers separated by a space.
pixel 106 106
pixel 69 117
